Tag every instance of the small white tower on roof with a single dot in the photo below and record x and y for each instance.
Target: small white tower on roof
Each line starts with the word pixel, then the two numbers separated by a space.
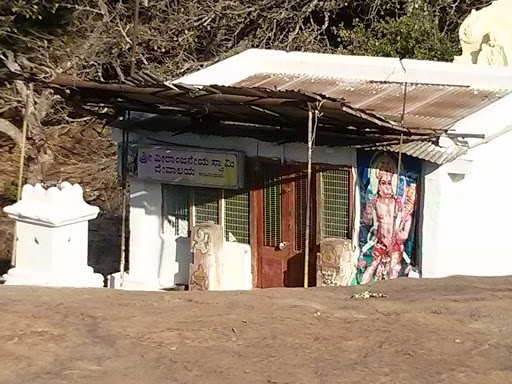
pixel 486 36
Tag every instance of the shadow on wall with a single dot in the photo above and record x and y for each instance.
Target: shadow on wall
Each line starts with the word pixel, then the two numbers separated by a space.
pixel 173 261
pixel 5 265
pixel 184 258
pixel 294 274
pixel 104 244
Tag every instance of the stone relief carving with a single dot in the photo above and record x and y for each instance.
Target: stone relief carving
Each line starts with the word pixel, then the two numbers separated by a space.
pixel 206 246
pixel 335 263
pixel 199 279
pixel 201 241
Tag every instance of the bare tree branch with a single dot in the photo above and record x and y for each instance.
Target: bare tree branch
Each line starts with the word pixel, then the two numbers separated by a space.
pixel 11 130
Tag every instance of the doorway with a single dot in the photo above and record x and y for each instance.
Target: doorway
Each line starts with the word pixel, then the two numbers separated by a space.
pixel 278 208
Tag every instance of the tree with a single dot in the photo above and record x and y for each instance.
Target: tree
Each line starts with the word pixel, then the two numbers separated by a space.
pixel 92 38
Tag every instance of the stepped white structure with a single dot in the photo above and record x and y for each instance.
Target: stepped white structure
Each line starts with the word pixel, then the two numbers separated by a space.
pixel 51 237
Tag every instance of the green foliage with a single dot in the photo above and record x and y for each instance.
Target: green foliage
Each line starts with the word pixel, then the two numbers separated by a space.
pixel 31 9
pixel 411 36
pixel 21 19
pixel 425 30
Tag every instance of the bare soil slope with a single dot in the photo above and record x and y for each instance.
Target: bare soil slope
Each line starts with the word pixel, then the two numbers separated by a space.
pixel 455 330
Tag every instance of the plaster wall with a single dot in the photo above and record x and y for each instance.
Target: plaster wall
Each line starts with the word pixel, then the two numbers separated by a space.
pixel 34 241
pixel 71 241
pixel 466 212
pixel 146 243
pixel 236 267
pixel 251 147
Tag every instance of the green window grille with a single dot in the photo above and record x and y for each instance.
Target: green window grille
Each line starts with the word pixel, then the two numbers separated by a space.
pixel 176 210
pixel 236 216
pixel 272 206
pixel 206 205
pixel 336 204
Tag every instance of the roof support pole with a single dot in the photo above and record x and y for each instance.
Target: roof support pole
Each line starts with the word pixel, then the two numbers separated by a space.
pixel 124 191
pixel 124 150
pixel 396 209
pixel 400 157
pixel 308 194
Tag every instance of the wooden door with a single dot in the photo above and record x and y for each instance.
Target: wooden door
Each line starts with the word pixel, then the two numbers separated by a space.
pixel 279 194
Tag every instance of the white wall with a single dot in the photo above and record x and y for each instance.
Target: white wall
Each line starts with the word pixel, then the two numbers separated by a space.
pixel 488 213
pixel 444 221
pixel 251 147
pixel 154 258
pixel 236 267
pixel 146 244
pixel 466 216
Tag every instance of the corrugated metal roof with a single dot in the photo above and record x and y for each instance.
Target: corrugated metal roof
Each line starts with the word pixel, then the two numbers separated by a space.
pixel 426 151
pixel 427 106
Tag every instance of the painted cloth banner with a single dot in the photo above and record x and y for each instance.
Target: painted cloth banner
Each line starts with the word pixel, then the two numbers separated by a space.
pixel 388 215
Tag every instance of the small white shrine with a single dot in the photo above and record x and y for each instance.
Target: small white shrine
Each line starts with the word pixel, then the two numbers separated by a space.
pixel 51 238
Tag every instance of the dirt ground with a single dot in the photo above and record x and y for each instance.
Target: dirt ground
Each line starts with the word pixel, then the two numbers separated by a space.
pixel 454 330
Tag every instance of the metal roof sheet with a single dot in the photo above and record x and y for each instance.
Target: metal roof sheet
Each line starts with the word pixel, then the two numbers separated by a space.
pixel 426 151
pixel 427 106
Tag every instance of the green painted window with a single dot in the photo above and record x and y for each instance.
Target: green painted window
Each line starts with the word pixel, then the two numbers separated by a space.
pixel 272 206
pixel 236 216
pixel 206 205
pixel 176 210
pixel 336 203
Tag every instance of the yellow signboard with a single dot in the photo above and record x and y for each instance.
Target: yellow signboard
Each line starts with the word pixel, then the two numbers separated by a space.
pixel 195 167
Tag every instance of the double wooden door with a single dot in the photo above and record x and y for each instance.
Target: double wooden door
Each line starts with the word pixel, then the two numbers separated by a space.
pixel 279 202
